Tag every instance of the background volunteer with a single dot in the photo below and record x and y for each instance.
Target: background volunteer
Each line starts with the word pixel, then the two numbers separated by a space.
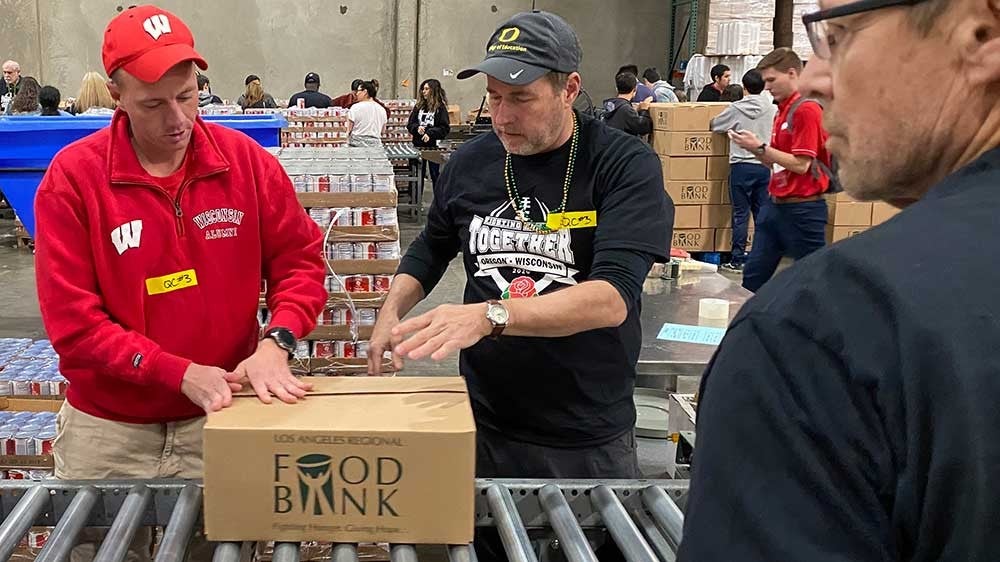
pixel 552 391
pixel 795 225
pixel 366 118
pixel 311 96
pixel 153 235
pixel 429 121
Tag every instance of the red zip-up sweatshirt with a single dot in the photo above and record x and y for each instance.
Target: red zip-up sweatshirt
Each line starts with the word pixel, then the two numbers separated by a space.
pixel 134 283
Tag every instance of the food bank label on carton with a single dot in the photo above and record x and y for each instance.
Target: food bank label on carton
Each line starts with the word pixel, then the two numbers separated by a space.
pixel 361 459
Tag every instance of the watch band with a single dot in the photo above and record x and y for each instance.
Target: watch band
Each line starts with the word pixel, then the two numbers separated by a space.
pixel 497 328
pixel 761 149
pixel 284 338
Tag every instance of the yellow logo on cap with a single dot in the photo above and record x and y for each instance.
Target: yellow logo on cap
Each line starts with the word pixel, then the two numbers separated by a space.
pixel 509 34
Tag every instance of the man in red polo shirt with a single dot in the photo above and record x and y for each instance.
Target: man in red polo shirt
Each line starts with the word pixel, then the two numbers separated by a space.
pixel 795 225
pixel 153 237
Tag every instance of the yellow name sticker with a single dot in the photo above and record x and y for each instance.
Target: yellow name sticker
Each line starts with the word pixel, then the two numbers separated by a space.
pixel 581 219
pixel 172 282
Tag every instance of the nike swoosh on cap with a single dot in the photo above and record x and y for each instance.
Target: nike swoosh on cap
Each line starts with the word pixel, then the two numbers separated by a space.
pixel 514 75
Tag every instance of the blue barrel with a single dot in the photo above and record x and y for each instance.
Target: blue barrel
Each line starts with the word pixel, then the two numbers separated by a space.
pixel 30 142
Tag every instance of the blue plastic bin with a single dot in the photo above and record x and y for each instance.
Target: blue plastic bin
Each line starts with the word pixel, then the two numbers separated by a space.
pixel 29 143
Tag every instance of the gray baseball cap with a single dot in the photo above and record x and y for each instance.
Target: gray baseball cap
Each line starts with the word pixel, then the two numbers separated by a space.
pixel 526 47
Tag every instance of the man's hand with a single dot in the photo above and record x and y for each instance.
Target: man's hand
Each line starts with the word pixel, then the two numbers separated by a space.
pixel 210 388
pixel 426 138
pixel 421 130
pixel 746 140
pixel 381 341
pixel 443 331
pixel 268 373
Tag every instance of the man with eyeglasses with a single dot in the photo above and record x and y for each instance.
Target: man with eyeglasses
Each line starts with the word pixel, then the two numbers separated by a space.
pixel 851 411
pixel 10 84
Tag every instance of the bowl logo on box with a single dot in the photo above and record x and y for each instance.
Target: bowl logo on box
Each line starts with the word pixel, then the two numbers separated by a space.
pixel 318 485
pixel 694 192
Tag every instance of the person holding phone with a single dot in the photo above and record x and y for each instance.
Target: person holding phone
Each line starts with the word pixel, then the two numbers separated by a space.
pixel 749 177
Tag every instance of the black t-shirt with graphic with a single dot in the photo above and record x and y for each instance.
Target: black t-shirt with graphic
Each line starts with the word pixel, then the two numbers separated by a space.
pixel 567 391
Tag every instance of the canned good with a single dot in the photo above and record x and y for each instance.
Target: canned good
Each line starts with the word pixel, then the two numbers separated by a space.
pixel 366 316
pixel 340 316
pixel 18 474
pixel 361 182
pixel 386 216
pixel 4 386
pixel 7 442
pixel 334 284
pixel 58 387
pixel 302 350
pixel 382 182
pixel 345 349
pixel 365 250
pixel 364 216
pixel 43 442
pixel 381 283
pixel 24 443
pixel 388 250
pixel 343 251
pixel 343 217
pixel 358 283
pixel 37 388
pixel 361 349
pixel 20 387
pixel 320 216
pixel 323 184
pixel 340 183
pixel 37 539
pixel 324 349
pixel 37 474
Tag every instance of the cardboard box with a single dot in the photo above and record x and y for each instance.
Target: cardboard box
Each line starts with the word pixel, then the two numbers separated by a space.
pixel 696 192
pixel 882 212
pixel 669 143
pixel 718 168
pixel 454 114
pixel 681 168
pixel 724 239
pixel 842 196
pixel 687 216
pixel 694 240
pixel 684 116
pixel 364 459
pixel 849 214
pixel 838 233
pixel 716 216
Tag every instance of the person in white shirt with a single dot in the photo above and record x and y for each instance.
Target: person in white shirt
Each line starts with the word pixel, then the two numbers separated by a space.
pixel 366 118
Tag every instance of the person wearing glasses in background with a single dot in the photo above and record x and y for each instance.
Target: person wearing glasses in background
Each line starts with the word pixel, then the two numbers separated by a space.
pixel 851 411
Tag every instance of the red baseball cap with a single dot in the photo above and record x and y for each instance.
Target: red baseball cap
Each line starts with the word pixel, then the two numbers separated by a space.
pixel 147 42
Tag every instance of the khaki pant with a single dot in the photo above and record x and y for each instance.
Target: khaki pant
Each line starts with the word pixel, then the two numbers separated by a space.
pixel 91 448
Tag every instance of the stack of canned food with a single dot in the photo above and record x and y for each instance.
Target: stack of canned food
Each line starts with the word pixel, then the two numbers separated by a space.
pixel 342 316
pixel 27 434
pixel 11 348
pixel 340 176
pixel 354 216
pixel 32 377
pixel 358 283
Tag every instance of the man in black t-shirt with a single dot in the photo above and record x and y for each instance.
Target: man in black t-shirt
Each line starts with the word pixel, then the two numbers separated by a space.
pixel 851 412
pixel 311 96
pixel 558 219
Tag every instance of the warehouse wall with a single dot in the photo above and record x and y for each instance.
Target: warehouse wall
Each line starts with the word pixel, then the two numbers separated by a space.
pixel 399 42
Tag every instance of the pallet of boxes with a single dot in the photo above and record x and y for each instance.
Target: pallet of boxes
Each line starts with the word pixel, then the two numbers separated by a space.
pixel 695 173
pixel 848 217
pixel 349 192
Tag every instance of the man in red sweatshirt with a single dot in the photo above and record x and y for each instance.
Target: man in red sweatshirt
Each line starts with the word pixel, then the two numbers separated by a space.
pixel 153 236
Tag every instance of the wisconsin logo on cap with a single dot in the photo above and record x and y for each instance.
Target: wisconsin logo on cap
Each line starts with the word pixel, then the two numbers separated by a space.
pixel 509 34
pixel 156 26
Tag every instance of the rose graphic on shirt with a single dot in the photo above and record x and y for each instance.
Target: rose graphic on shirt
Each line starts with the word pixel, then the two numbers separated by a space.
pixel 520 288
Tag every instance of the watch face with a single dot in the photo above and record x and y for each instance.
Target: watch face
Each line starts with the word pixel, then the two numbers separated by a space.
pixel 284 338
pixel 497 314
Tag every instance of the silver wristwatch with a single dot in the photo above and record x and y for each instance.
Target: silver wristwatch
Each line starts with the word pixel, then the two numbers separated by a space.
pixel 497 314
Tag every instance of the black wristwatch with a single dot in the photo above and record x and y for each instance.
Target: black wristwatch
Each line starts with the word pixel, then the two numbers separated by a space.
pixel 284 338
pixel 760 150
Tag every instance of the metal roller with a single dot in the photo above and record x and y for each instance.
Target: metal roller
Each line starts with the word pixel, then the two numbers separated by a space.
pixel 227 552
pixel 508 521
pixel 571 538
pixel 345 552
pixel 462 553
pixel 402 553
pixel 21 519
pixel 178 533
pixel 660 545
pixel 63 537
pixel 621 527
pixel 665 512
pixel 129 519
pixel 286 552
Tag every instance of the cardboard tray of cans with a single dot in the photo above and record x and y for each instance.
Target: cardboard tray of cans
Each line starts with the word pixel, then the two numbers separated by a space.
pixel 335 366
pixel 364 234
pixel 365 266
pixel 339 333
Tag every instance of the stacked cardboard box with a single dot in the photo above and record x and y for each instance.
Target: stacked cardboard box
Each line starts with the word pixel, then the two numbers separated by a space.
pixel 695 171
pixel 848 217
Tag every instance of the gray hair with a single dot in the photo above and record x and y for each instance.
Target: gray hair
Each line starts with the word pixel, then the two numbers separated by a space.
pixel 14 63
